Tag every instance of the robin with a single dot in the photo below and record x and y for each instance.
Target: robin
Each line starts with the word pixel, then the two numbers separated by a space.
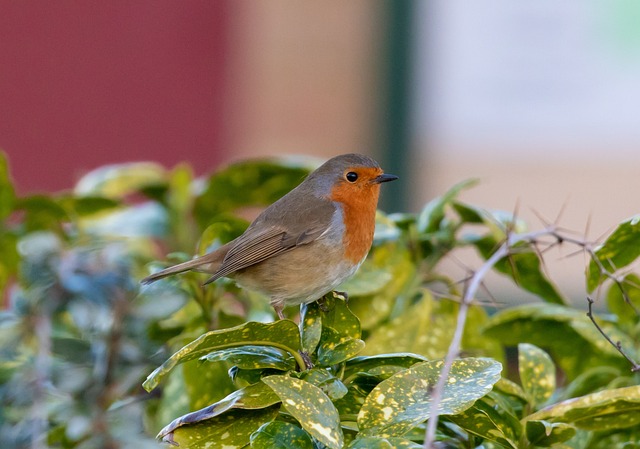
pixel 308 242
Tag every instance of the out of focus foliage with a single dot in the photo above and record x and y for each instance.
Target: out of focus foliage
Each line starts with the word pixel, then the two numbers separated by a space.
pixel 79 336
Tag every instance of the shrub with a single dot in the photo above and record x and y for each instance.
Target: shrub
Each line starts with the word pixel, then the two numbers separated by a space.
pixel 79 335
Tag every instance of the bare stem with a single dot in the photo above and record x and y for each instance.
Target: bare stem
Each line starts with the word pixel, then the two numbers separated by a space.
pixel 42 330
pixel 475 283
pixel 454 347
pixel 635 367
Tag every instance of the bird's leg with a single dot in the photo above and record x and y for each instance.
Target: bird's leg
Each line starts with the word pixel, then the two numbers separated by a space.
pixel 307 359
pixel 278 308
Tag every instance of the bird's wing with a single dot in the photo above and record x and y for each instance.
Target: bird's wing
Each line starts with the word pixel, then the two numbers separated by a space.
pixel 264 240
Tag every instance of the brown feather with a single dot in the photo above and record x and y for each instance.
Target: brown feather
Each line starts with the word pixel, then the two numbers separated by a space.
pixel 208 263
pixel 258 244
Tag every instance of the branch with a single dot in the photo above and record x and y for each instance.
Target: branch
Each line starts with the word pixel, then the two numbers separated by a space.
pixel 454 348
pixel 505 250
pixel 635 367
pixel 42 368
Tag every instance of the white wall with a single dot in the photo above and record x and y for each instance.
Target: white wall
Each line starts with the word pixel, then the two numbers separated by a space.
pixel 541 100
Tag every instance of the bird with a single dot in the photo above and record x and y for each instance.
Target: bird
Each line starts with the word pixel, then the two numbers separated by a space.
pixel 308 242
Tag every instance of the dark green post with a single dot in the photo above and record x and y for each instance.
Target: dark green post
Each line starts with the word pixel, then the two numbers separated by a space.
pixel 394 104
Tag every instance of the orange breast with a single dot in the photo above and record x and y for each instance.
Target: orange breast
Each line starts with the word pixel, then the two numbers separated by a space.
pixel 359 213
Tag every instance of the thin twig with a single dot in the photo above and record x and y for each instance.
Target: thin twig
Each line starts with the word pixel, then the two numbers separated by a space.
pixel 635 367
pixel 42 370
pixel 506 249
pixel 454 348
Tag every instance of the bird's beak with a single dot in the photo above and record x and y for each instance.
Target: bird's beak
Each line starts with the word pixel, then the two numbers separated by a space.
pixel 384 178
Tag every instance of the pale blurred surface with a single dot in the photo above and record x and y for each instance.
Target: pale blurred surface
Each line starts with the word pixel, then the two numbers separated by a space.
pixel 304 77
pixel 536 99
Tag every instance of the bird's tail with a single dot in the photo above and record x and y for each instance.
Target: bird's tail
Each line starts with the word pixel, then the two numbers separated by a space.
pixel 208 263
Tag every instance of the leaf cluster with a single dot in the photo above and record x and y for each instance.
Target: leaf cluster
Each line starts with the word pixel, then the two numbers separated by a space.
pixel 357 370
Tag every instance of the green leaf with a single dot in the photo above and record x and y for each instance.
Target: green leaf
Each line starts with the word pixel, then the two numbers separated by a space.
pixel 510 388
pixel 225 229
pixel 311 407
pixel 7 193
pixel 567 334
pixel 280 435
pixel 349 405
pixel 373 309
pixel 178 199
pixel 231 430
pixel 119 180
pixel 620 249
pixel 588 331
pixel 380 364
pixel 617 439
pixel 310 326
pixel 174 400
pixel 426 328
pixel 87 205
pixel 10 258
pixel 546 434
pixel 281 334
pixel 340 318
pixel 334 348
pixel 604 410
pixel 42 213
pixel 403 401
pixel 490 423
pixel 537 373
pixel 591 380
pixel 419 330
pixel 253 357
pixel 253 397
pixel 72 350
pixel 327 382
pixel 433 213
pixel 249 183
pixel 617 303
pixel 471 214
pixel 524 267
pixel 205 385
pixel 180 195
pixel 370 279
pixel 383 443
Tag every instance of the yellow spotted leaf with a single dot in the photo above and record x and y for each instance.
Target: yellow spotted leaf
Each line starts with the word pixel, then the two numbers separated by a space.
pixel 537 373
pixel 605 410
pixel 620 249
pixel 403 401
pixel 546 434
pixel 280 435
pixel 489 422
pixel 231 430
pixel 334 348
pixel 253 397
pixel 281 334
pixel 384 443
pixel 311 407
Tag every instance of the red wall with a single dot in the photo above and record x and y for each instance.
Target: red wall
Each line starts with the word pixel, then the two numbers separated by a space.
pixel 85 83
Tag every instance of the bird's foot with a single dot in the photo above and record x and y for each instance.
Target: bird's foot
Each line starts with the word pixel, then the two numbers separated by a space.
pixel 307 359
pixel 322 304
pixel 341 295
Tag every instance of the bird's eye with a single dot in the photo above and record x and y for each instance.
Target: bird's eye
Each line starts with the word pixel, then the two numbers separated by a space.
pixel 352 176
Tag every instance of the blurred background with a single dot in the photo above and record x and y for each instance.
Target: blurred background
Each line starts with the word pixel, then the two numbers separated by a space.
pixel 536 99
